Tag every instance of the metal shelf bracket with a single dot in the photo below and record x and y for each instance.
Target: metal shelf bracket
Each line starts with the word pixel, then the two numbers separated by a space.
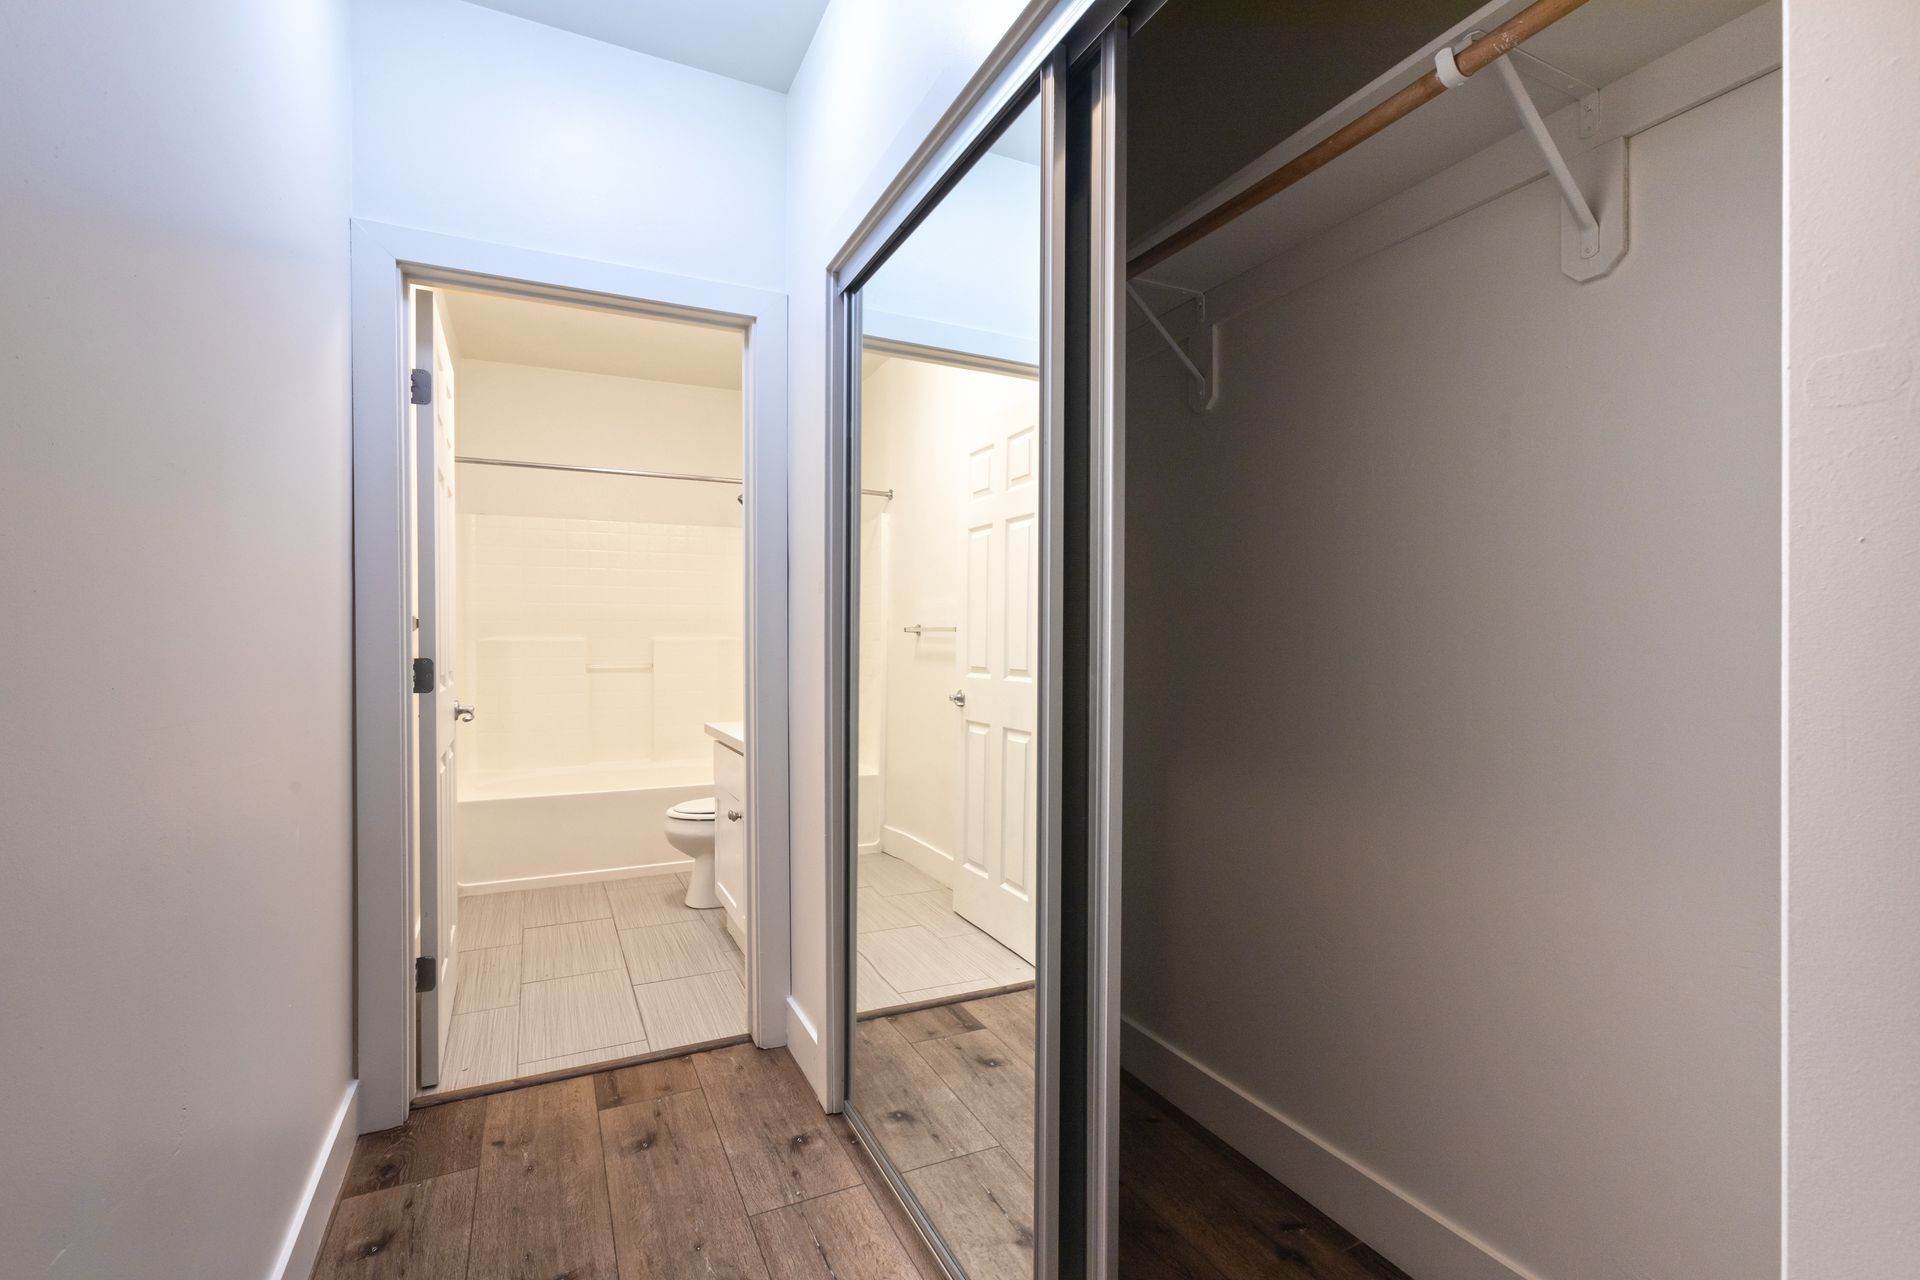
pixel 1203 392
pixel 1592 241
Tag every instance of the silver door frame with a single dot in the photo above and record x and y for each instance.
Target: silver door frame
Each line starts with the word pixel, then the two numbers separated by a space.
pixel 843 584
pixel 1106 444
pixel 1050 38
pixel 1053 450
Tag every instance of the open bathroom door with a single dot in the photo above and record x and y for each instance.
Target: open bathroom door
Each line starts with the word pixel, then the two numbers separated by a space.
pixel 432 394
pixel 999 679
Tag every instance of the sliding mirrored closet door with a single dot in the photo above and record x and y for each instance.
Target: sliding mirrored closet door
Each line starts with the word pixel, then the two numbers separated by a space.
pixel 980 475
pixel 947 551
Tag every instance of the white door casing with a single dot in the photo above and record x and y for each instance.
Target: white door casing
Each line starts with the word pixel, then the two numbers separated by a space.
pixel 998 676
pixel 387 262
pixel 434 523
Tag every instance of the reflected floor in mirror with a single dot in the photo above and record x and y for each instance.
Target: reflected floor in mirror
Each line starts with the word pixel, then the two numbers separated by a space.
pixel 914 950
pixel 948 1093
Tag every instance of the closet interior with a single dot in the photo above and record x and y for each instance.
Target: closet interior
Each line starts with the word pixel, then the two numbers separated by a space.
pixel 1452 634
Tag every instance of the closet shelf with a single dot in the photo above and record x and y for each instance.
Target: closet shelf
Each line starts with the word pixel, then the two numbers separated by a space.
pixel 1475 57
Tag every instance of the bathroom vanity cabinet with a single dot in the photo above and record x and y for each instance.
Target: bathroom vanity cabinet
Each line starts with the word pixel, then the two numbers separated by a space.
pixel 730 824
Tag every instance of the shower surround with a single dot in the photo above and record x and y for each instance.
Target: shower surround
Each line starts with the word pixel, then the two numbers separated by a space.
pixel 597 649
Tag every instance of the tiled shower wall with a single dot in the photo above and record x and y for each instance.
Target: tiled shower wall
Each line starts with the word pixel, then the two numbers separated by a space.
pixel 593 641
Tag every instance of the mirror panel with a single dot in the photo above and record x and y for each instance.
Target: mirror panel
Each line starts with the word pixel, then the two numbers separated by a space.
pixel 948 433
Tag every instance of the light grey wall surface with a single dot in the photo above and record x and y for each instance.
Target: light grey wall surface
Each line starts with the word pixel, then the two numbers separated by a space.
pixel 1853 622
pixel 175 961
pixel 1453 716
pixel 480 124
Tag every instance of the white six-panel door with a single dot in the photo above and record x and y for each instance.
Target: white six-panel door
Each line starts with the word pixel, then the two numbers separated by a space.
pixel 998 657
pixel 439 893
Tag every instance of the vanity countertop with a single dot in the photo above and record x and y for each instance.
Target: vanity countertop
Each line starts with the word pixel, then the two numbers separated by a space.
pixel 731 734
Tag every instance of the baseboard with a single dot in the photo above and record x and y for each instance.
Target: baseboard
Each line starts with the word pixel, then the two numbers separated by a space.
pixel 578 877
pixel 301 1248
pixel 1412 1235
pixel 869 846
pixel 918 854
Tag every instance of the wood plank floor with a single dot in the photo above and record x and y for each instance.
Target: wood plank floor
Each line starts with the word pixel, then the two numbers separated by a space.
pixel 721 1164
pixel 1193 1208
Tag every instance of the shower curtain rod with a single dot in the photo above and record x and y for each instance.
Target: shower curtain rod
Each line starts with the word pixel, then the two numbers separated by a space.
pixel 1529 22
pixel 622 471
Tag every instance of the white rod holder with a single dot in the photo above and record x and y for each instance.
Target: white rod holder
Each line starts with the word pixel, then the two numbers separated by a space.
pixel 1550 151
pixel 1546 72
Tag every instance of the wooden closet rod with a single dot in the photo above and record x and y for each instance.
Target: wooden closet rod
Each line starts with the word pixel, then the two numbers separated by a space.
pixel 1529 22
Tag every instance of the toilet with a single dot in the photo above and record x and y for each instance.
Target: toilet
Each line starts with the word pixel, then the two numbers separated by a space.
pixel 690 830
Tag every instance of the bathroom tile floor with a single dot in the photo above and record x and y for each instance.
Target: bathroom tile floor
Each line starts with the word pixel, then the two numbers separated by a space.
pixel 580 974
pixel 913 948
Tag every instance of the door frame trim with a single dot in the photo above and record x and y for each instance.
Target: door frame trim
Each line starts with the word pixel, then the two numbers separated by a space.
pixel 385 260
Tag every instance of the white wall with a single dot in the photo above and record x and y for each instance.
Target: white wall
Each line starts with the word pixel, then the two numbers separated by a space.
pixel 874 83
pixel 1853 326
pixel 475 123
pixel 918 419
pixel 1453 719
pixel 175 807
pixel 596 419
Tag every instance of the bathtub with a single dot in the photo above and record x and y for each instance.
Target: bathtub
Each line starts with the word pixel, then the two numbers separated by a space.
pixel 529 828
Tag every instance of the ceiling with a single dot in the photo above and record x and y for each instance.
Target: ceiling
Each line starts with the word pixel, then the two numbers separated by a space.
pixel 551 335
pixel 759 41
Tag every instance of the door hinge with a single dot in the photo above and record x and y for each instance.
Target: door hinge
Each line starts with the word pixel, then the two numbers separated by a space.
pixel 420 387
pixel 425 974
pixel 423 675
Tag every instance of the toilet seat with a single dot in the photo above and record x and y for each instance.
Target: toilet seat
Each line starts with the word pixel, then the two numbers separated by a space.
pixel 700 810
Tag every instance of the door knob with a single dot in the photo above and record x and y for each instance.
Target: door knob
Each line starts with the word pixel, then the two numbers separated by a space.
pixel 462 712
pixel 734 815
pixel 958 697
